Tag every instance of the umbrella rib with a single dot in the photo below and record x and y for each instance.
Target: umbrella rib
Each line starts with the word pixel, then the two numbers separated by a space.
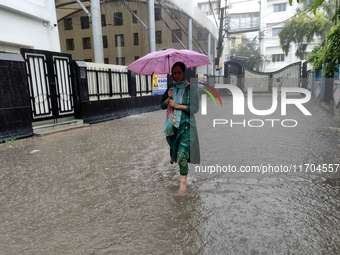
pixel 145 65
pixel 158 61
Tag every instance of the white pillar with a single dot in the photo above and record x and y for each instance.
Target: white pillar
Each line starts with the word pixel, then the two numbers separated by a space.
pixel 190 33
pixel 263 8
pixel 97 32
pixel 152 36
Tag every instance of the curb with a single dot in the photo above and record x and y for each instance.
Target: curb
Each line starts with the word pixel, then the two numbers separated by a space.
pixel 57 128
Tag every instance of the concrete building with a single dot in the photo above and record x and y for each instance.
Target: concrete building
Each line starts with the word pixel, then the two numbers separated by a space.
pixel 28 24
pixel 267 16
pixel 273 15
pixel 125 30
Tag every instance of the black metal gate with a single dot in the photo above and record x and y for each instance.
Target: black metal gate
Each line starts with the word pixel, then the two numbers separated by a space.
pixel 50 84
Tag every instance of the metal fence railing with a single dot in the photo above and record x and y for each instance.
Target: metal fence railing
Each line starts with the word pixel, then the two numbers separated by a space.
pixel 107 84
pixel 143 85
pixel 112 82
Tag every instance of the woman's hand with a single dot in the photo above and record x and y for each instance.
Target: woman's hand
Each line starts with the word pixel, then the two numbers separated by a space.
pixel 170 93
pixel 173 103
pixel 177 106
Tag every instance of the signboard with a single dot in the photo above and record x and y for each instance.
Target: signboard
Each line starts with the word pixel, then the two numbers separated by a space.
pixel 159 84
pixel 201 78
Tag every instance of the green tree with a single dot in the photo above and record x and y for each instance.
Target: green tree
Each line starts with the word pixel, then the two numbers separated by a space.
pixel 301 30
pixel 250 52
pixel 327 54
pixel 317 4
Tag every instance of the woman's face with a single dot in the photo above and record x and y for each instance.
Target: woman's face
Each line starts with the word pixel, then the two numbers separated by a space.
pixel 178 74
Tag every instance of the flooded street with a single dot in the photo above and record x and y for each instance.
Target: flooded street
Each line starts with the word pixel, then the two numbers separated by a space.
pixel 109 188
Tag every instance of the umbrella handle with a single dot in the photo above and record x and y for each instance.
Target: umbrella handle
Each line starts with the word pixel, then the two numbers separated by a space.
pixel 169 63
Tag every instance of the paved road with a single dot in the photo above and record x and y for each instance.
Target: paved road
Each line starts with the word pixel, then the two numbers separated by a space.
pixel 109 188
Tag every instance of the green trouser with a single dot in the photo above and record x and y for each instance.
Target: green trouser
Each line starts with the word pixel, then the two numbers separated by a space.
pixel 179 149
pixel 183 170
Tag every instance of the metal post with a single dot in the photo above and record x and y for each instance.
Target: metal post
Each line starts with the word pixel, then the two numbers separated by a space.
pixel 263 4
pixel 336 16
pixel 84 9
pixel 152 36
pixel 132 84
pixel 220 34
pixel 97 32
pixel 209 51
pixel 190 33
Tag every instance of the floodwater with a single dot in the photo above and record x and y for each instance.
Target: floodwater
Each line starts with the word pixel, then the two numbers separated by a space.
pixel 109 188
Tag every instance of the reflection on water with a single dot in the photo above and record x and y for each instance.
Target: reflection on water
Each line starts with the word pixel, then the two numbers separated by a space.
pixel 109 189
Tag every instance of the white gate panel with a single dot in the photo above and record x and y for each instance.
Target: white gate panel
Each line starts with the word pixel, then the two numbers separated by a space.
pixel 258 81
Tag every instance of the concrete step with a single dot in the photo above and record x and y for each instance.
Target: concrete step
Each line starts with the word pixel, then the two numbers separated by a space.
pixel 42 130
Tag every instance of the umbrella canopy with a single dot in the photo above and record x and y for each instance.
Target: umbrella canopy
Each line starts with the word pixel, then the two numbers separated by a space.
pixel 160 62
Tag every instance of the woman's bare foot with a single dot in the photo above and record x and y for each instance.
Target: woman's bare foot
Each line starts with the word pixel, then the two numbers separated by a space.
pixel 183 186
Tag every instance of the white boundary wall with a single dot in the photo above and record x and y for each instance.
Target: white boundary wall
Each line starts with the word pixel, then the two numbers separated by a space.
pixel 28 24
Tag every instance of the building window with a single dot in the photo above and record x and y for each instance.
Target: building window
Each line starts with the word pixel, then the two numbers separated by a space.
pixel 176 35
pixel 105 44
pixel 202 34
pixel 68 24
pixel 175 14
pixel 119 39
pixel 86 43
pixel 118 19
pixel 276 31
pixel 103 19
pixel 85 22
pixel 280 7
pixel 158 14
pixel 158 37
pixel 135 39
pixel 69 44
pixel 278 57
pixel 215 9
pixel 206 8
pixel 106 60
pixel 233 41
pixel 88 60
pixel 244 21
pixel 201 7
pixel 134 19
pixel 120 61
pixel 136 57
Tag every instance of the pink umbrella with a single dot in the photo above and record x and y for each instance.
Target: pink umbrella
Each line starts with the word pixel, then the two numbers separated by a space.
pixel 160 62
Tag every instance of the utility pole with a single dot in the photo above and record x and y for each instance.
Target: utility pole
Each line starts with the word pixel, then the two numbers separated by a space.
pixel 220 34
pixel 336 9
pixel 152 36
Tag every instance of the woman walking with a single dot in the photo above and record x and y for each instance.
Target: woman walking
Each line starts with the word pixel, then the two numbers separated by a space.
pixel 181 101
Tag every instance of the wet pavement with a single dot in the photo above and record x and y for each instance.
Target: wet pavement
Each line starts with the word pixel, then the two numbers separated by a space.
pixel 109 188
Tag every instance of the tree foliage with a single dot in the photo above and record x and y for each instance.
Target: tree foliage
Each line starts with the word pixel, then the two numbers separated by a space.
pixel 301 30
pixel 317 4
pixel 328 55
pixel 249 51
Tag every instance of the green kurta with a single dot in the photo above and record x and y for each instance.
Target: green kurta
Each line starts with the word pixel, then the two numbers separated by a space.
pixel 184 144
